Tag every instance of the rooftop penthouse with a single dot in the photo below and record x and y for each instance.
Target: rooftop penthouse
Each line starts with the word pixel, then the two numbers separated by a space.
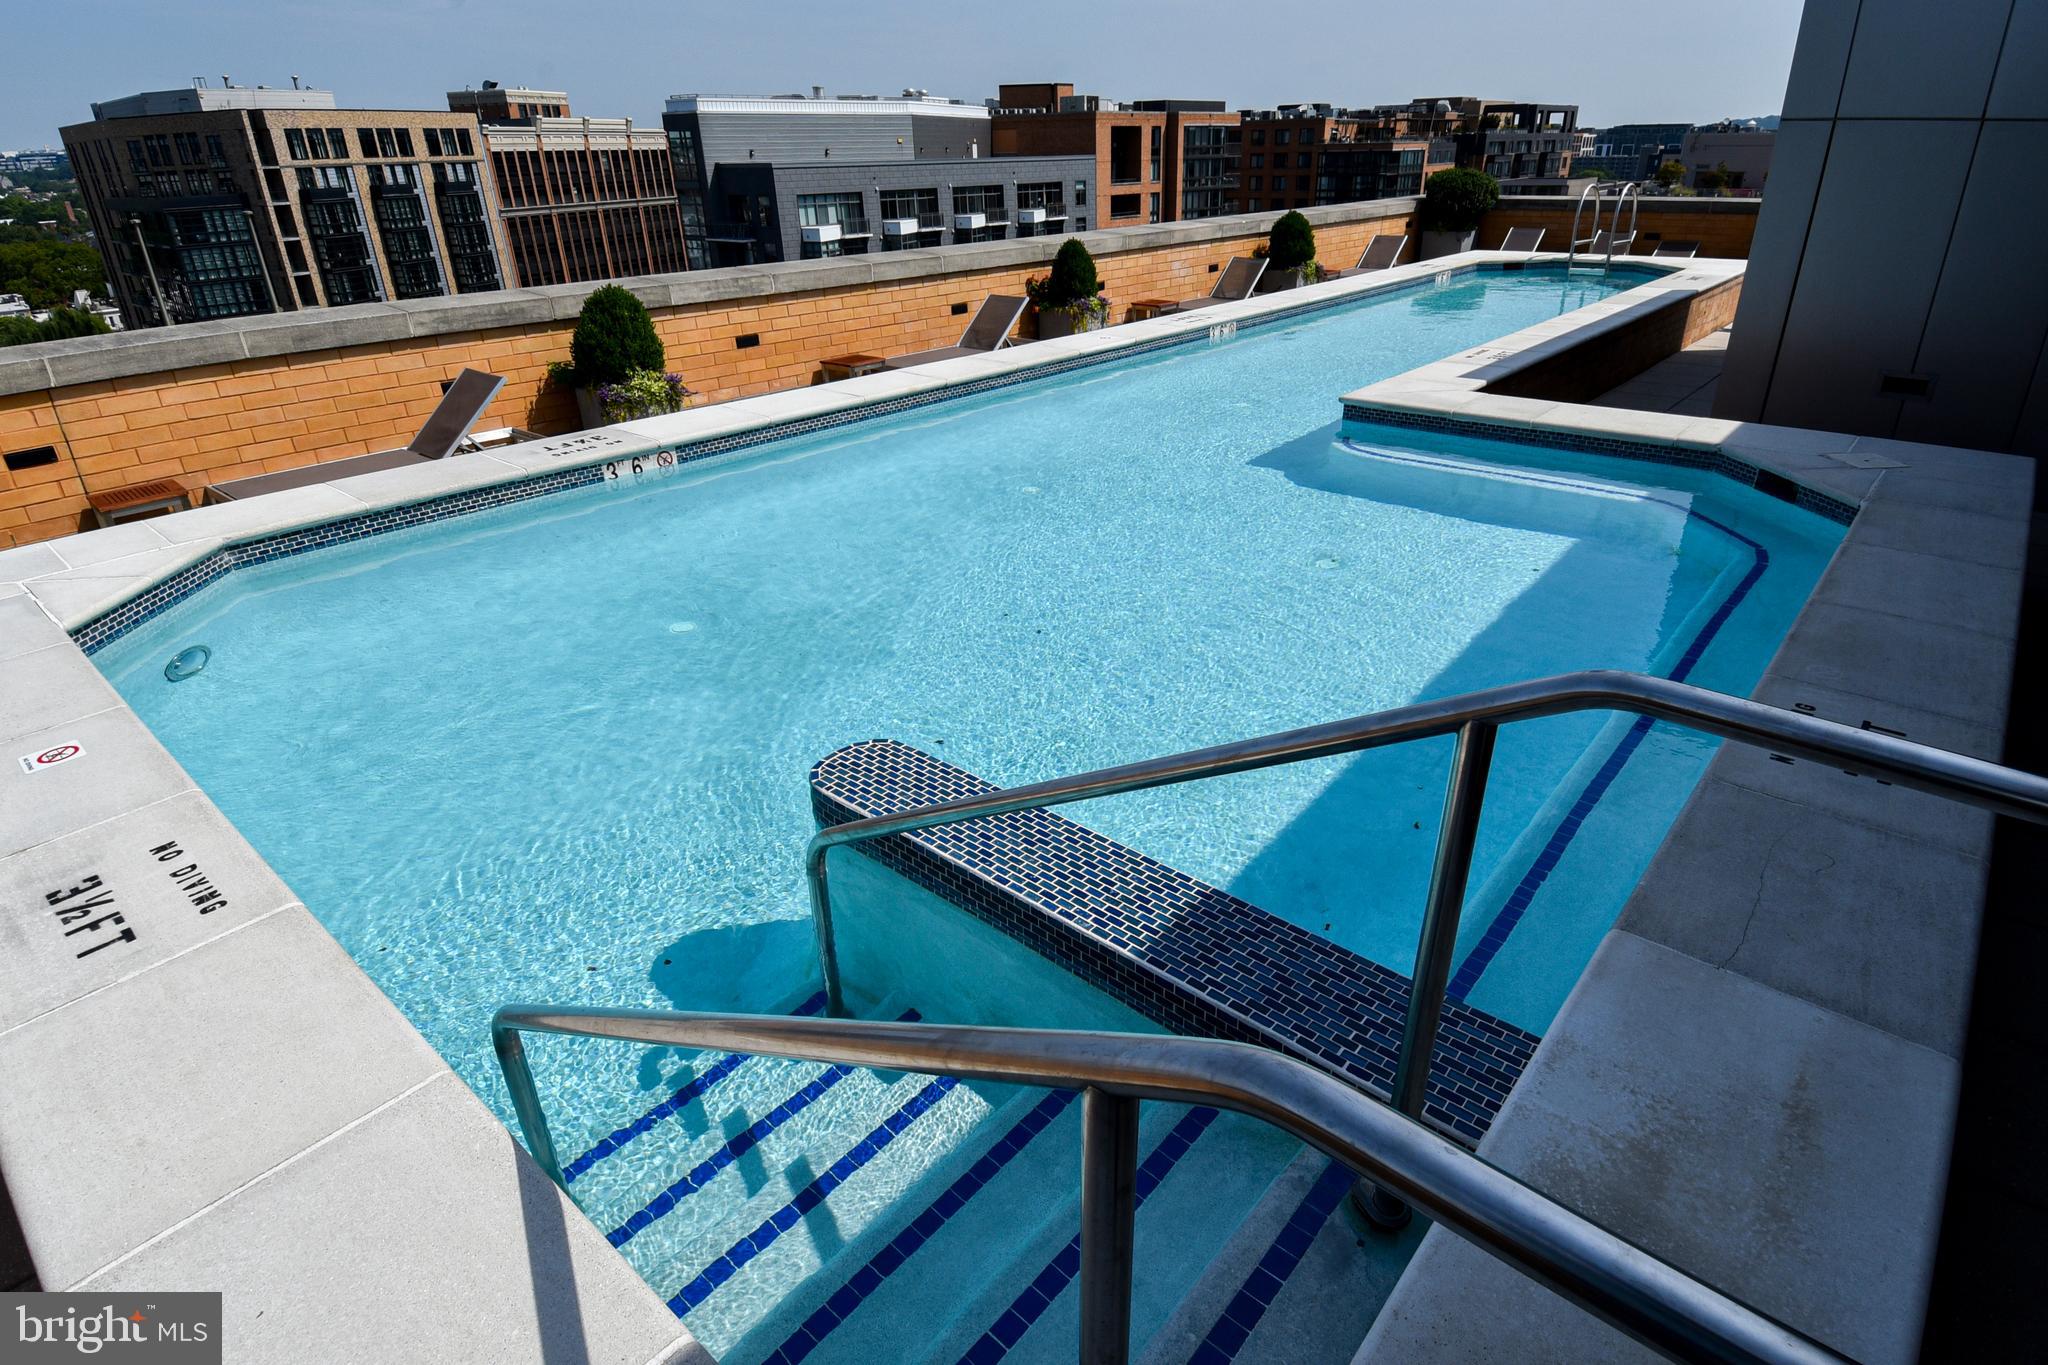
pixel 672 845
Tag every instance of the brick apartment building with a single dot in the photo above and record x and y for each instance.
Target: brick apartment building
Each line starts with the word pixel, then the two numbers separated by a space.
pixel 1156 161
pixel 581 198
pixel 1526 146
pixel 216 202
pixel 1300 155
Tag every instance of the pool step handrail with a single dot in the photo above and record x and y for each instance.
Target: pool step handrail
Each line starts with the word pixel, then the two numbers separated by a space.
pixel 1475 718
pixel 1629 194
pixel 1652 1301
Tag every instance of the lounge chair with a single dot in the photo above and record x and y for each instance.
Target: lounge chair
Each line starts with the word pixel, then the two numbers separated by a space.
pixel 989 331
pixel 1237 281
pixel 1381 253
pixel 1522 239
pixel 1676 251
pixel 440 436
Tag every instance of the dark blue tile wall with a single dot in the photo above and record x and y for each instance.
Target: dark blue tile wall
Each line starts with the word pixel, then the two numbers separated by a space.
pixel 1185 954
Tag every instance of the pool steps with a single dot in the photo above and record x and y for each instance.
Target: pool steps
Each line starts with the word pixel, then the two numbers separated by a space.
pixel 874 1268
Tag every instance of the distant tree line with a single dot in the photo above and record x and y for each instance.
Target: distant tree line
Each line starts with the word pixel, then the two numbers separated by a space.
pixel 64 322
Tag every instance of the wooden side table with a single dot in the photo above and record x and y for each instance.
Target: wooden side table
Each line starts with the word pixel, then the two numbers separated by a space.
pixel 138 500
pixel 850 366
pixel 1150 308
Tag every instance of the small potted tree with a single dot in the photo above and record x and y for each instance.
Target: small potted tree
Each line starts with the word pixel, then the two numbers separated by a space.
pixel 615 363
pixel 1290 253
pixel 1069 297
pixel 1453 202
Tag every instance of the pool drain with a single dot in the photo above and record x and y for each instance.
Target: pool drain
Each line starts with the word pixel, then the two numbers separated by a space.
pixel 188 663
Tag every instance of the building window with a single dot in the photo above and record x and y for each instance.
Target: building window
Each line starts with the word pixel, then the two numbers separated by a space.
pixel 404 141
pixel 1123 206
pixel 1258 137
pixel 1258 161
pixel 1280 138
pixel 387 145
pixel 1258 182
pixel 295 143
pixel 1080 193
pixel 367 140
pixel 906 207
pixel 433 141
pixel 316 142
pixel 462 140
pixel 843 211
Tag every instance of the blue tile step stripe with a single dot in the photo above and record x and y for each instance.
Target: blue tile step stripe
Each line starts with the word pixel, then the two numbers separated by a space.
pixel 808 1198
pixel 698 1176
pixel 681 1098
pixel 1030 1305
pixel 1195 959
pixel 1246 1307
pixel 920 1230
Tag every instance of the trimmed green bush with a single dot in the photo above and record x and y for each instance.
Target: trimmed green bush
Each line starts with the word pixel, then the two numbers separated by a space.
pixel 614 338
pixel 1072 284
pixel 1291 244
pixel 1455 200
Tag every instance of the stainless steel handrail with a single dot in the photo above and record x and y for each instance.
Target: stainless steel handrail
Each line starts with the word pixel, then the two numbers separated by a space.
pixel 1474 717
pixel 1650 1300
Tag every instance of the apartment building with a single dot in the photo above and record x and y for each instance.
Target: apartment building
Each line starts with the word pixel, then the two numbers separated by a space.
pixel 1510 140
pixel 1305 154
pixel 1157 161
pixel 726 150
pixel 1632 151
pixel 1736 156
pixel 215 202
pixel 581 198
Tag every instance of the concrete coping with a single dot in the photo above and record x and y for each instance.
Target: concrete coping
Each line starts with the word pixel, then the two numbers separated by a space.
pixel 234 1174
pixel 84 360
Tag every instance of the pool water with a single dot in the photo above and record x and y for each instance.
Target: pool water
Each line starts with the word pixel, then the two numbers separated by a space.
pixel 557 752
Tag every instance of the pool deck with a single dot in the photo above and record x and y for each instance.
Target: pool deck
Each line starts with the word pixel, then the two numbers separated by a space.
pixel 217 1097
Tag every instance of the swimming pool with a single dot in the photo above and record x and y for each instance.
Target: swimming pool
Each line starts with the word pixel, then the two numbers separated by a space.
pixel 556 752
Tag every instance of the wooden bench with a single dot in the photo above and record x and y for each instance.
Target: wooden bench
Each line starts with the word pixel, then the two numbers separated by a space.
pixel 139 500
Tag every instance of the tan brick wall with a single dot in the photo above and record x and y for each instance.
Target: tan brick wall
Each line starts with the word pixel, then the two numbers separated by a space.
pixel 1719 231
pixel 225 421
pixel 219 422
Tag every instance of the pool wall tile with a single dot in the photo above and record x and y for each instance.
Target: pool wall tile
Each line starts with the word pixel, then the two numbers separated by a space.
pixel 1192 958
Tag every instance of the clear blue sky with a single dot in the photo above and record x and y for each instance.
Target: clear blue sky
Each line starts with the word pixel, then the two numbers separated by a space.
pixel 1653 61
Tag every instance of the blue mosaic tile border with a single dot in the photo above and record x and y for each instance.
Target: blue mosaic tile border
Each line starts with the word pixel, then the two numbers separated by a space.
pixel 1741 471
pixel 1185 954
pixel 105 629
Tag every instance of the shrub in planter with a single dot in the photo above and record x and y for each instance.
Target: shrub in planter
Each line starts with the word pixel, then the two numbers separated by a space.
pixel 1068 298
pixel 614 340
pixel 643 393
pixel 1453 202
pixel 1290 253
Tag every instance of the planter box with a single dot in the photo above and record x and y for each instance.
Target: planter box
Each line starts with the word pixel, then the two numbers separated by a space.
pixel 587 409
pixel 1052 325
pixel 1436 244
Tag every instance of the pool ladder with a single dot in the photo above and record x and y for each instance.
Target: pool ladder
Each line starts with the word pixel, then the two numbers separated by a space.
pixel 1402 1163
pixel 1604 242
